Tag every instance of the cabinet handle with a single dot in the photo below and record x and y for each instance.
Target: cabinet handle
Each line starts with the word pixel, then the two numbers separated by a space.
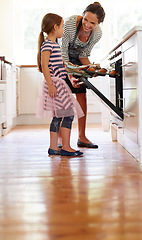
pixel 129 114
pixel 1 96
pixel 129 64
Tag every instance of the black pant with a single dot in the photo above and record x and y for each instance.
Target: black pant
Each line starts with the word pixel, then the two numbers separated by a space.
pixel 66 123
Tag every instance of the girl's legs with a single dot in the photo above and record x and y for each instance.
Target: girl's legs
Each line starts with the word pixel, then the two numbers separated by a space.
pixel 54 131
pixel 81 98
pixel 66 132
pixel 53 140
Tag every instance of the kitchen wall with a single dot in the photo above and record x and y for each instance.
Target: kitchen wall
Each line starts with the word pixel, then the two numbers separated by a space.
pixel 117 22
pixel 12 24
pixel 6 28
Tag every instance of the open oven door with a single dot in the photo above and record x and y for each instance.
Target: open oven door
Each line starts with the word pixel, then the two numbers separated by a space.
pixel 102 97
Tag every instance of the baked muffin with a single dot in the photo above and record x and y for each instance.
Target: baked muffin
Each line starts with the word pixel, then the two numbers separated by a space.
pixel 103 70
pixel 92 69
pixel 113 72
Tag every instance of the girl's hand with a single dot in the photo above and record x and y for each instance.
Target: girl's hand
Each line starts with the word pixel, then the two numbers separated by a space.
pixel 74 81
pixel 52 91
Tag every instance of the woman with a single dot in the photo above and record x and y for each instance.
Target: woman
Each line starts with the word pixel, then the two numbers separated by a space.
pixel 79 37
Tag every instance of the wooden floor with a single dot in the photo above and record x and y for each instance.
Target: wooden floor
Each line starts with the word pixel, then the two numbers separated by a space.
pixel 94 197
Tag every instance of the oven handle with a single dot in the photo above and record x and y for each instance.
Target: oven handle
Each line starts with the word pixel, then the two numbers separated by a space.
pixel 129 64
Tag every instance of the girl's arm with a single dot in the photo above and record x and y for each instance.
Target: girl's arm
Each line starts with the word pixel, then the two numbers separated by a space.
pixel 52 91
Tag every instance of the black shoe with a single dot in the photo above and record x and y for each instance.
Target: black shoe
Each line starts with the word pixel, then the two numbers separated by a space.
pixel 70 154
pixel 87 145
pixel 53 152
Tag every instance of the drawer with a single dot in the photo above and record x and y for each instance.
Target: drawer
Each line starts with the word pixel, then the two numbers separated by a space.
pixel 129 68
pixel 130 104
pixel 129 43
pixel 130 100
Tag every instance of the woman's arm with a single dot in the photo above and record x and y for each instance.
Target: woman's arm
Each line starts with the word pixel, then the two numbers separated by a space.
pixel 68 36
pixel 65 43
pixel 45 55
pixel 85 61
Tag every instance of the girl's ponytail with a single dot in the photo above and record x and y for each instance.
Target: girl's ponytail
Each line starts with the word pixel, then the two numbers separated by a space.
pixel 40 41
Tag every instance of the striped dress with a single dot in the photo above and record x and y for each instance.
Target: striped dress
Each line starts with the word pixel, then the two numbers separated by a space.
pixel 64 104
pixel 69 35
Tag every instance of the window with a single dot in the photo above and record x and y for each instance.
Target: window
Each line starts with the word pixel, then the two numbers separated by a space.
pixel 121 16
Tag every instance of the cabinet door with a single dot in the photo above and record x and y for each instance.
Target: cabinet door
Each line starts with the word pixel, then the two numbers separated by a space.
pixel 9 95
pixel 2 103
pixel 129 68
pixel 14 113
pixel 131 111
pixel 130 93
pixel 29 89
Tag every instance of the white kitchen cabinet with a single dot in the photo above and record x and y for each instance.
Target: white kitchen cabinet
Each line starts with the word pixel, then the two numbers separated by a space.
pixel 2 105
pixel 2 102
pixel 10 77
pixel 130 88
pixel 93 103
pixel 29 85
pixel 128 131
pixel 7 96
pixel 17 90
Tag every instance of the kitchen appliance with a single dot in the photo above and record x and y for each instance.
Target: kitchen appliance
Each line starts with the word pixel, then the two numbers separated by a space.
pixel 123 97
pixel 116 87
pixel 115 100
pixel 115 63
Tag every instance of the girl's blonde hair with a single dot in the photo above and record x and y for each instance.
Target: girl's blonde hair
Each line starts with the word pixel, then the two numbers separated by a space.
pixel 47 26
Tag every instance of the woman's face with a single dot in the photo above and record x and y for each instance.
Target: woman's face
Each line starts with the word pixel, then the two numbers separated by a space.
pixel 89 21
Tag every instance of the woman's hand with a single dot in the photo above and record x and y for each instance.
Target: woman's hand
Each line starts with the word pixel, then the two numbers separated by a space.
pixel 52 91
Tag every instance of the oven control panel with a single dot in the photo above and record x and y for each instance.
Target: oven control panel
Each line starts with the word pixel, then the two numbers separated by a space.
pixel 116 54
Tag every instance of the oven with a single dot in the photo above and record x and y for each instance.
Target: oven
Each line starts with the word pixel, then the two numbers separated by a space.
pixel 115 99
pixel 116 88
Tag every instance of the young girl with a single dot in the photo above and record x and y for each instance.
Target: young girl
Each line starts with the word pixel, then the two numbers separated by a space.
pixel 56 99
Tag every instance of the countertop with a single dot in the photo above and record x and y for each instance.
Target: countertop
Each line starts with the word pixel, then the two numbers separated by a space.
pixel 2 81
pixel 126 37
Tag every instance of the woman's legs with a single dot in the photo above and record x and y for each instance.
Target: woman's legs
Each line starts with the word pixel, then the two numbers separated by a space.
pixel 81 98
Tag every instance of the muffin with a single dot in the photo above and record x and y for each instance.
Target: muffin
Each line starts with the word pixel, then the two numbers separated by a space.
pixel 113 72
pixel 92 69
pixel 103 70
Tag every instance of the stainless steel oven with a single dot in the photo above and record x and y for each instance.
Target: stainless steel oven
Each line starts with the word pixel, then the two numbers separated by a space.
pixel 116 87
pixel 115 100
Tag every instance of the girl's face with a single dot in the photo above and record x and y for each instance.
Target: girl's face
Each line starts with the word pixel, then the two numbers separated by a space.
pixel 89 21
pixel 60 30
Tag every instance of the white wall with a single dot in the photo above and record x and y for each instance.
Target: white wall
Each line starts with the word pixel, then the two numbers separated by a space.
pixel 6 28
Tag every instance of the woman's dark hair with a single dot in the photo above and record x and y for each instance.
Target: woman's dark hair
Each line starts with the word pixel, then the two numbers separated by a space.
pixel 47 26
pixel 97 9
